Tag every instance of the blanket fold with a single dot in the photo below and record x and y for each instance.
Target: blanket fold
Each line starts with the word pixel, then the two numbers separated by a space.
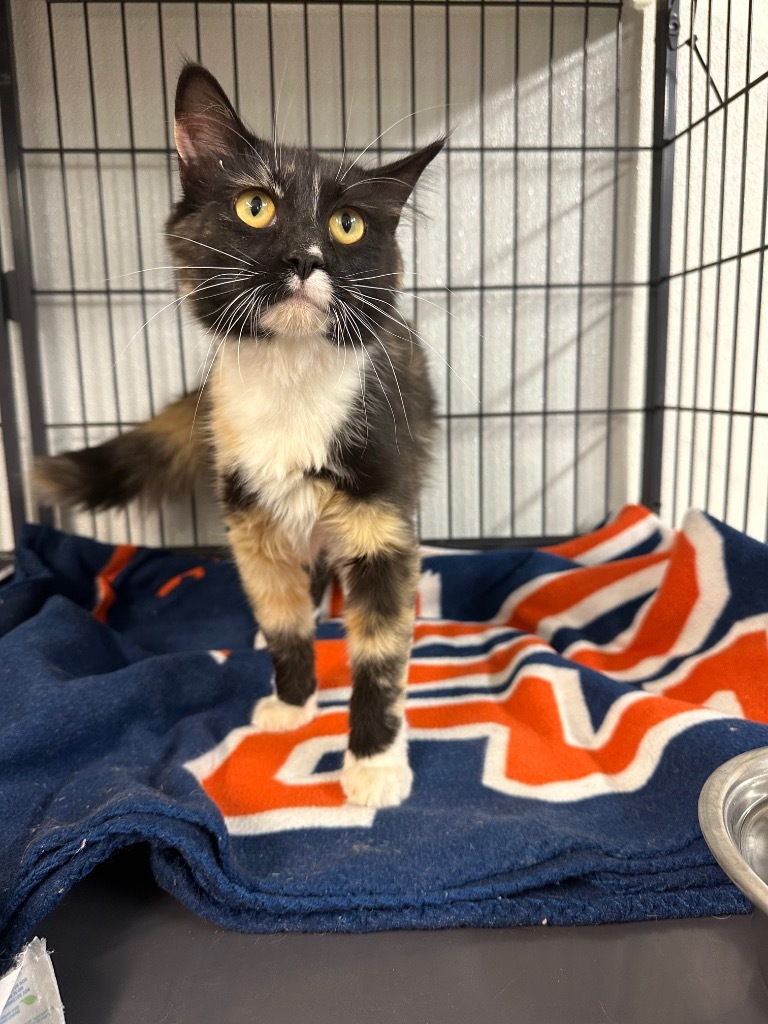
pixel 565 707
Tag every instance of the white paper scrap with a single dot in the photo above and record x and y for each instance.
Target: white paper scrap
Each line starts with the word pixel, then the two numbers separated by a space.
pixel 28 992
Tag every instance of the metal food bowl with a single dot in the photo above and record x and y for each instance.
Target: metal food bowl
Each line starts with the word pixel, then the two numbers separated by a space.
pixel 733 813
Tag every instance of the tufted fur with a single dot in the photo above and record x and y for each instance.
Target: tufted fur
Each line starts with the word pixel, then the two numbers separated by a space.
pixel 316 417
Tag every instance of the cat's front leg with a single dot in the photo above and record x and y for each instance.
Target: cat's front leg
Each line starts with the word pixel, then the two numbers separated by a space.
pixel 381 572
pixel 381 591
pixel 277 586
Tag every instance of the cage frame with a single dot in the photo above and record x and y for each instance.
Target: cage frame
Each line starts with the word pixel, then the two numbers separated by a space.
pixel 17 296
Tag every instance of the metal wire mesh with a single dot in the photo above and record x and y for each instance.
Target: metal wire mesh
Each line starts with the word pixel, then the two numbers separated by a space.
pixel 529 275
pixel 716 431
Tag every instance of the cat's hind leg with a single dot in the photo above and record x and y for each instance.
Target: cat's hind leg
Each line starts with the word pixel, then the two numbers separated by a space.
pixel 320 579
pixel 277 585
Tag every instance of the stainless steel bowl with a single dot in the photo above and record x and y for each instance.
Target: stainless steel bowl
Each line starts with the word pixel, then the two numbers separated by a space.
pixel 733 813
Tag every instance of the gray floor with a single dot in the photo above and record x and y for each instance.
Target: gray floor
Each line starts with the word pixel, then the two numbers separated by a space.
pixel 126 953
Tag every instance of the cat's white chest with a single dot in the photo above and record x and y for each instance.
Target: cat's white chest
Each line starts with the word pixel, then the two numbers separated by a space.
pixel 277 407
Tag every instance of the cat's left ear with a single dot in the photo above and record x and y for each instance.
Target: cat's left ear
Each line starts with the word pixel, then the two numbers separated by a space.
pixel 399 179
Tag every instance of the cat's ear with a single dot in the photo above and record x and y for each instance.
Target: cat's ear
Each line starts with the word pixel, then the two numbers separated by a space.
pixel 206 126
pixel 398 179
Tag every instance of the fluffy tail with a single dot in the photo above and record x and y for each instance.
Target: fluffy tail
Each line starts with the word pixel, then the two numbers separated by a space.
pixel 159 459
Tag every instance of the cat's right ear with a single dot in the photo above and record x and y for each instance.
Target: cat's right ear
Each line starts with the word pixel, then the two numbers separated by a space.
pixel 206 126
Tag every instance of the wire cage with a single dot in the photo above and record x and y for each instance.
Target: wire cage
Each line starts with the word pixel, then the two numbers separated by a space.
pixel 715 396
pixel 587 279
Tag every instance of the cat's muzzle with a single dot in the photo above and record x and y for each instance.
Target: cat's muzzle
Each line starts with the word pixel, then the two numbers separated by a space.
pixel 305 310
pixel 295 315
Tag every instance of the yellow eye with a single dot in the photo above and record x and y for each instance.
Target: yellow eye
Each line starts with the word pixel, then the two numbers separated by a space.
pixel 347 226
pixel 255 208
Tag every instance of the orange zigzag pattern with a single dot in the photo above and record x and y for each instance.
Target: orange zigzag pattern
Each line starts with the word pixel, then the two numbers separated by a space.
pixel 540 738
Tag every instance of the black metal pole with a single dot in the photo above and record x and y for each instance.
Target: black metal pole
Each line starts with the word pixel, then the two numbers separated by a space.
pixel 665 83
pixel 8 412
pixel 24 310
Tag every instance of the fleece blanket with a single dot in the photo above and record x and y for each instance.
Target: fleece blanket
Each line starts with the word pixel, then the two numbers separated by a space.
pixel 566 706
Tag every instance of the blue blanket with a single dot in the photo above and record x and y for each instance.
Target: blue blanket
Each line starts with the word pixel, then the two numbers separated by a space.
pixel 565 707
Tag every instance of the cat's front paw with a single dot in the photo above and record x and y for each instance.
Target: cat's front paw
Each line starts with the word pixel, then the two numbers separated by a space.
pixel 273 715
pixel 378 781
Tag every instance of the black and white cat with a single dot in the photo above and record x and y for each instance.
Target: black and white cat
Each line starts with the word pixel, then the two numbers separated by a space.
pixel 317 416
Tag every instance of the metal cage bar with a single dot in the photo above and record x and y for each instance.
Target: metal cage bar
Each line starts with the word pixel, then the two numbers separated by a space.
pixel 667 30
pixel 18 299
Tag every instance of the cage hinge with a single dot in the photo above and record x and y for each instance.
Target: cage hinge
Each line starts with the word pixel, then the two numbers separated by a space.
pixel 9 295
pixel 673 24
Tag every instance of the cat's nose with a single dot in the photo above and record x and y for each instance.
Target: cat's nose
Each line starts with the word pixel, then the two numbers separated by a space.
pixel 304 263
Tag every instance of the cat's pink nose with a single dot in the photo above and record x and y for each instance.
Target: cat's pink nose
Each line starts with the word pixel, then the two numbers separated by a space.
pixel 303 264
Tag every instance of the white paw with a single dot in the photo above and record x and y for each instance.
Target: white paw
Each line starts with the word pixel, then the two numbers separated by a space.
pixel 273 715
pixel 376 781
pixel 259 641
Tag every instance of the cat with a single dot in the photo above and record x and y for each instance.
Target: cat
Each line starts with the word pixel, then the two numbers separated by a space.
pixel 317 417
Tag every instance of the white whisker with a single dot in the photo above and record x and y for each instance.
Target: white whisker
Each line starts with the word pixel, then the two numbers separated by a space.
pixel 402 322
pixel 439 106
pixel 360 374
pixel 375 332
pixel 346 133
pixel 356 315
pixel 229 255
pixel 147 270
pixel 204 286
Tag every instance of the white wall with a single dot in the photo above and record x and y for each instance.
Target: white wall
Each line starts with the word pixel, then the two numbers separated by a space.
pixel 576 348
